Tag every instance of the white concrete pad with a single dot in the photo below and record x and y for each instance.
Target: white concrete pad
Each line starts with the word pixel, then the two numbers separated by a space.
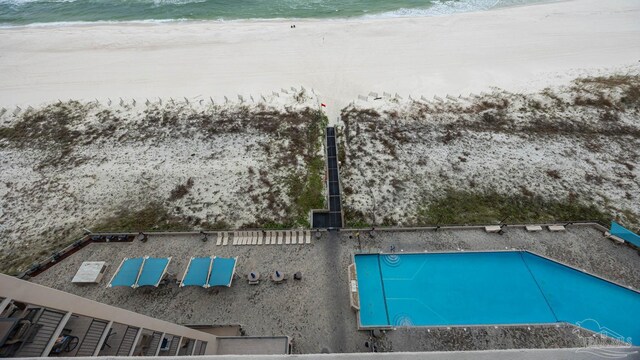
pixel 218 239
pixel 225 238
pixel 293 236
pixel 279 235
pixel 236 237
pixel 492 229
pixel 533 228
pixel 307 237
pixel 555 228
pixel 90 272
pixel 260 236
pixel 287 239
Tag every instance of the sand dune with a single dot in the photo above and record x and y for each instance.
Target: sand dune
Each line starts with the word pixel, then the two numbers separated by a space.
pixel 519 49
pixel 514 48
pixel 409 161
pixel 69 166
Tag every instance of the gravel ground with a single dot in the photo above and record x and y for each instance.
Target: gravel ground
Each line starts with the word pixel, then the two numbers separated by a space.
pixel 315 311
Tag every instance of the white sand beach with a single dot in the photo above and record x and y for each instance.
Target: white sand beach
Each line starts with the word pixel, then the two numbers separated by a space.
pixel 516 48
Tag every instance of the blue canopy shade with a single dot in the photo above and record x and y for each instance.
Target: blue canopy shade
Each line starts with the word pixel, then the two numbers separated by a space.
pixel 625 234
pixel 127 273
pixel 222 271
pixel 143 271
pixel 152 272
pixel 197 272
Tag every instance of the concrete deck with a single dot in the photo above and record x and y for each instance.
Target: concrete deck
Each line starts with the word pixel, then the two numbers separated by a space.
pixel 257 345
pixel 315 311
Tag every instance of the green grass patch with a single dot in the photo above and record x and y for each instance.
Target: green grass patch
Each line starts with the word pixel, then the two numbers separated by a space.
pixel 276 226
pixel 354 218
pixel 50 125
pixel 306 187
pixel 357 224
pixel 15 261
pixel 462 207
pixel 306 190
pixel 152 217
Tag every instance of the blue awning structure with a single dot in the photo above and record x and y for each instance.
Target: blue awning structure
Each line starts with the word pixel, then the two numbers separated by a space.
pixel 624 234
pixel 152 272
pixel 142 271
pixel 197 272
pixel 127 273
pixel 222 271
pixel 209 271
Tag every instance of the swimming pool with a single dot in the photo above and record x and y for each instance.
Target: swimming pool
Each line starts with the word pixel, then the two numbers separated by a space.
pixel 489 288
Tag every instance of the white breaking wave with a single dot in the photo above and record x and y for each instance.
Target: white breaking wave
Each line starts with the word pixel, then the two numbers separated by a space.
pixel 98 22
pixel 155 2
pixel 23 2
pixel 175 2
pixel 439 8
pixel 449 7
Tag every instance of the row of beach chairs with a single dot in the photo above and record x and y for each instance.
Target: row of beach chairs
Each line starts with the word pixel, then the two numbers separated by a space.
pixel 287 237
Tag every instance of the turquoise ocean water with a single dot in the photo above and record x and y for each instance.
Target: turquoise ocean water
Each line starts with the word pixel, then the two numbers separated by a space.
pixel 26 12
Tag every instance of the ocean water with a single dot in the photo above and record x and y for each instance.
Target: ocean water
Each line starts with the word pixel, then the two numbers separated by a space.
pixel 25 12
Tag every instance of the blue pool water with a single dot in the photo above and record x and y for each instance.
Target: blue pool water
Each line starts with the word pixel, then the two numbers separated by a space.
pixel 483 288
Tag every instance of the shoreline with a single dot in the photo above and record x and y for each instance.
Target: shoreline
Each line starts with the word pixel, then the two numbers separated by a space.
pixel 365 17
pixel 525 47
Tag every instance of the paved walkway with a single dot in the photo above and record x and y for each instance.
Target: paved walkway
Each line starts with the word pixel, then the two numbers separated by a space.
pixel 333 217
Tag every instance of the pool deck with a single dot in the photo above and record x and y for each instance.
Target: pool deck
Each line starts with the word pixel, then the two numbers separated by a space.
pixel 315 311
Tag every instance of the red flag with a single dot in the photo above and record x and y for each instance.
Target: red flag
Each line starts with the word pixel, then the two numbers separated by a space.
pixel 323 105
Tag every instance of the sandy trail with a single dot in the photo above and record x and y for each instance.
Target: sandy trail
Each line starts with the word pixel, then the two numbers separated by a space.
pixel 515 48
